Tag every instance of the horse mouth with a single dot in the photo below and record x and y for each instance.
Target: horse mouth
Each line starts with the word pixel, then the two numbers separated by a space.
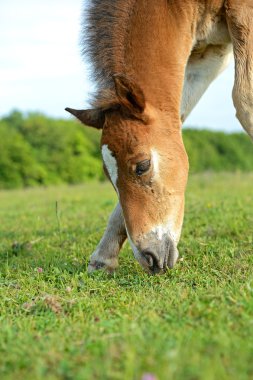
pixel 157 261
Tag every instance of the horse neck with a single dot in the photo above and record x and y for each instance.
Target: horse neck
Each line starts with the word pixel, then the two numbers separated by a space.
pixel 157 47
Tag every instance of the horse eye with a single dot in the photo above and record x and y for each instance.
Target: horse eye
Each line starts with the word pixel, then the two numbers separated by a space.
pixel 142 167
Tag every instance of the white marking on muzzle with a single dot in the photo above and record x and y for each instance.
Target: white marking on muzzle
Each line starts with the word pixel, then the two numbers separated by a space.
pixel 162 232
pixel 111 164
pixel 166 230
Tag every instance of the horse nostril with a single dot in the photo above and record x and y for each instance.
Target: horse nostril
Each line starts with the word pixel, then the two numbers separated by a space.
pixel 152 260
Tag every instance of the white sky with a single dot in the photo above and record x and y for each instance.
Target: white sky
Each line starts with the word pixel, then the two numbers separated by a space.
pixel 41 67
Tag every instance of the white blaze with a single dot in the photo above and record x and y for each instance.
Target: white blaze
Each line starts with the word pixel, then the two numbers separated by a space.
pixel 111 164
pixel 155 160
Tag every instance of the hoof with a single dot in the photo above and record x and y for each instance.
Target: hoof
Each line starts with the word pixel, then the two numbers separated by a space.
pixel 107 265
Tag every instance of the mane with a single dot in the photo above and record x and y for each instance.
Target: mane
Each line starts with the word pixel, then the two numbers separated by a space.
pixel 104 32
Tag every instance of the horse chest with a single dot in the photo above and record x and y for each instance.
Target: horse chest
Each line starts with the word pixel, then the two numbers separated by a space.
pixel 211 34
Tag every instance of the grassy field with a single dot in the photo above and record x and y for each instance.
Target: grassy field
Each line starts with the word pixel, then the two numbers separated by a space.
pixel 195 322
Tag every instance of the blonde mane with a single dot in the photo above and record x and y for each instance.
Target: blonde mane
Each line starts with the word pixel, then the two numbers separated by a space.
pixel 105 28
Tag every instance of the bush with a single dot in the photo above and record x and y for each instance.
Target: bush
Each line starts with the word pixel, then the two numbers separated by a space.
pixel 62 147
pixel 18 165
pixel 218 151
pixel 38 150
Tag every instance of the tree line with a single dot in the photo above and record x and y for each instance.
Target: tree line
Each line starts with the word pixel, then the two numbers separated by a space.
pixel 39 150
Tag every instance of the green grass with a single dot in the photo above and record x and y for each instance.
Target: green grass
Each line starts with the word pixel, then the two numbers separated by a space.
pixel 195 322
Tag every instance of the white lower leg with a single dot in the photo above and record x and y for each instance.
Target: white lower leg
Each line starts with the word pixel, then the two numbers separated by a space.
pixel 106 254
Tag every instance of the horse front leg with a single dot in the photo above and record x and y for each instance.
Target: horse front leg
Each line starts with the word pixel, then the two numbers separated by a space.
pixel 200 73
pixel 106 254
pixel 240 23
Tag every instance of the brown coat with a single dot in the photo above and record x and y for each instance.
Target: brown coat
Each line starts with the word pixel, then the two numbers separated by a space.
pixel 152 62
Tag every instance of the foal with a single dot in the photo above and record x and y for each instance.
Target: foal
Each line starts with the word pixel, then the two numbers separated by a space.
pixel 153 60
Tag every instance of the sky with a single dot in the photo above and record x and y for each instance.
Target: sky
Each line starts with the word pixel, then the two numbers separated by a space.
pixel 41 68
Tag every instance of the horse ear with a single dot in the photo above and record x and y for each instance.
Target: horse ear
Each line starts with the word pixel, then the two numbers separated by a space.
pixel 129 93
pixel 92 117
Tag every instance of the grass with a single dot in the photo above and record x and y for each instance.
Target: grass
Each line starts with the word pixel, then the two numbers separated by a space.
pixel 195 322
